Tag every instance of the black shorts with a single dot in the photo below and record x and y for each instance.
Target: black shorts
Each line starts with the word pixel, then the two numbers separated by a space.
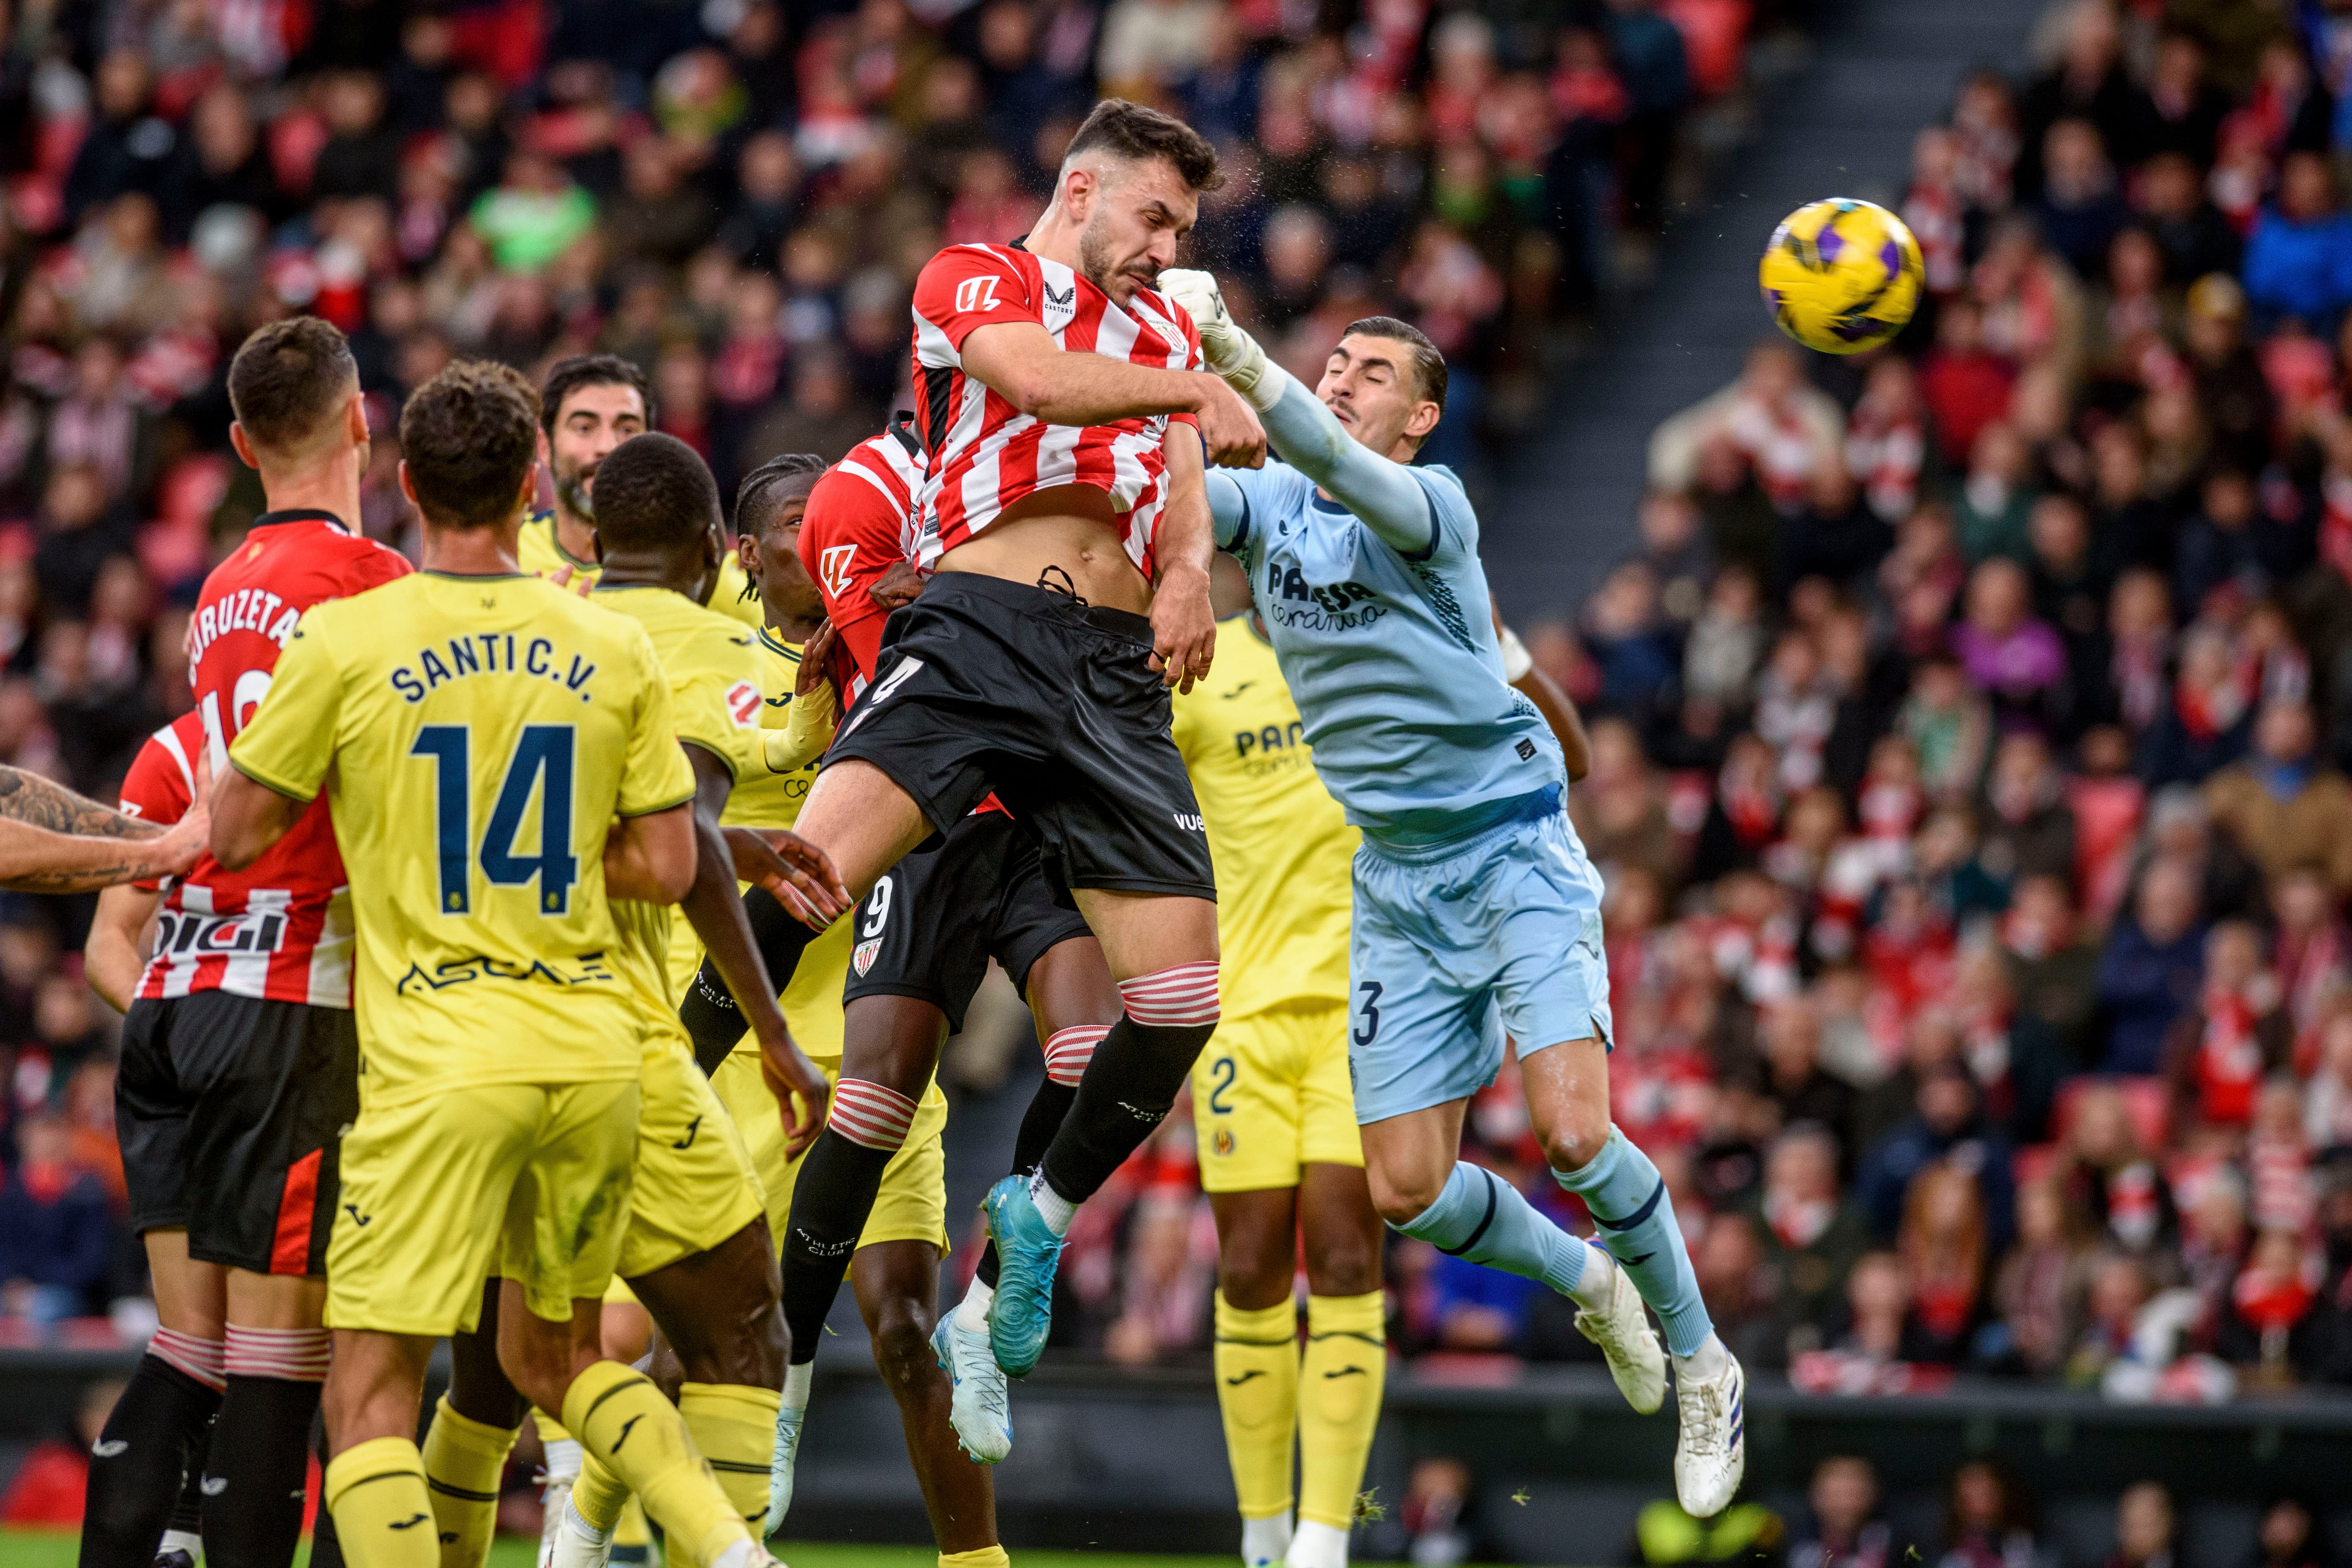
pixel 932 924
pixel 988 685
pixel 230 1111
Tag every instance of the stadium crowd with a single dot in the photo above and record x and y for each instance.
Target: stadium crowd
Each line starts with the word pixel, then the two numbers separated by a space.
pixel 1970 728
pixel 737 197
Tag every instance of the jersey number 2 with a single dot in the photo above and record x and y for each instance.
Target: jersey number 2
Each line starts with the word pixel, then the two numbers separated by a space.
pixel 544 752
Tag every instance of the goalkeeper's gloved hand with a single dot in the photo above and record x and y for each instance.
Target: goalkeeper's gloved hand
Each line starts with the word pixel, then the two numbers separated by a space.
pixel 1233 353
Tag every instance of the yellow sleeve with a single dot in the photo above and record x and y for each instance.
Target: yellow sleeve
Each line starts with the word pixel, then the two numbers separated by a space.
pixel 655 775
pixel 808 730
pixel 290 742
pixel 716 701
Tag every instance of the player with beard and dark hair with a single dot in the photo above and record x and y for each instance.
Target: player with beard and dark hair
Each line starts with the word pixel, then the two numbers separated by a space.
pixel 589 405
pixel 1062 512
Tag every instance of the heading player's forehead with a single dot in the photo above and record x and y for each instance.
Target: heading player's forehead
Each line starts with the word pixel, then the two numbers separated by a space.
pixel 1368 351
pixel 1152 186
pixel 605 401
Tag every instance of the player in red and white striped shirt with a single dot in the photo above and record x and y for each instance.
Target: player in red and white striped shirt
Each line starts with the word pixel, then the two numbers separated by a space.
pixel 1064 516
pixel 240 1055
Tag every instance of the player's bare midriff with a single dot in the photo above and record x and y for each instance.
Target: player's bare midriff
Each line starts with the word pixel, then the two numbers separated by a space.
pixel 1071 528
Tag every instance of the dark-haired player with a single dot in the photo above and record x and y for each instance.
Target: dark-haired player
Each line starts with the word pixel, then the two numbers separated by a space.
pixel 1064 422
pixel 504 765
pixel 698 1254
pixel 589 404
pixel 240 1060
pixel 1476 912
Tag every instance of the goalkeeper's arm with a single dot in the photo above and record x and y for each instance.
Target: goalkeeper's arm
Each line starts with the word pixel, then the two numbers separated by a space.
pixel 1304 434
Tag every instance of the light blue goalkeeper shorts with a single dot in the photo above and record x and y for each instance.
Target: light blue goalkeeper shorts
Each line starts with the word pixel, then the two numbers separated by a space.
pixel 1458 944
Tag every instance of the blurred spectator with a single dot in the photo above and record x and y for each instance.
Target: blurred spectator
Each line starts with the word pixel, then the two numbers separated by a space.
pixel 1841 1528
pixel 2143 1528
pixel 2283 806
pixel 1811 1237
pixel 2038 1289
pixel 2297 259
pixel 2289 1536
pixel 1989 1519
pixel 57 1229
pixel 2151 970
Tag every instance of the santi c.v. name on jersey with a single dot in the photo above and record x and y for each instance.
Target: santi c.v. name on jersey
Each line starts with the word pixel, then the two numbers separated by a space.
pixel 491 653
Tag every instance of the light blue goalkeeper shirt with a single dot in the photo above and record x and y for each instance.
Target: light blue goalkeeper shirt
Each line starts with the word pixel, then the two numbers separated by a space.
pixel 1378 611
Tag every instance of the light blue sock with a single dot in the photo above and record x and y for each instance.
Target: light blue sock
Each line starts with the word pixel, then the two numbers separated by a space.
pixel 1627 1198
pixel 1481 1218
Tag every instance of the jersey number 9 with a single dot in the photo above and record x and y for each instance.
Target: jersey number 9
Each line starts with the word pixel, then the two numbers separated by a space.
pixel 544 752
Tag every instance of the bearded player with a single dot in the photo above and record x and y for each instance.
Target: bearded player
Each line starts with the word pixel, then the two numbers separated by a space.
pixel 1065 428
pixel 589 404
pixel 1475 909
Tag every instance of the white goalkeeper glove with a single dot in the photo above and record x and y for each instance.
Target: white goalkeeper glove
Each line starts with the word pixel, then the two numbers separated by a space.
pixel 1232 353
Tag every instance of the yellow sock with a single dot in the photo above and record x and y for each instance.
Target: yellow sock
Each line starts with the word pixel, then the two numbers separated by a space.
pixel 625 1424
pixel 463 1459
pixel 1257 1395
pixel 979 1557
pixel 600 1496
pixel 734 1425
pixel 376 1494
pixel 1340 1402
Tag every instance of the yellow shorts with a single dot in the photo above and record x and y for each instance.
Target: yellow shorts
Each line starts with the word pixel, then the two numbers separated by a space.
pixel 913 1203
pixel 696 1183
pixel 530 1181
pixel 1270 1093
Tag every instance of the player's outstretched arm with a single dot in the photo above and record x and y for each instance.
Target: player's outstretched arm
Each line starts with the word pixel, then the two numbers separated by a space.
pixel 1303 432
pixel 1022 364
pixel 716 912
pixel 32 800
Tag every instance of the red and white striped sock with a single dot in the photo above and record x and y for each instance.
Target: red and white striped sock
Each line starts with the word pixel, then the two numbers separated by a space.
pixel 871 1114
pixel 291 1355
pixel 1069 1050
pixel 202 1359
pixel 1180 996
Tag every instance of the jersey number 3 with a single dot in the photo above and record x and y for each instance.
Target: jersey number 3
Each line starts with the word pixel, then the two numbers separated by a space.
pixel 544 752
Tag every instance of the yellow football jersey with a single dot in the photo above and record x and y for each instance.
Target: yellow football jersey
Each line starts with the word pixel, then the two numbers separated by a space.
pixel 476 737
pixel 812 1000
pixel 714 688
pixel 541 549
pixel 1281 846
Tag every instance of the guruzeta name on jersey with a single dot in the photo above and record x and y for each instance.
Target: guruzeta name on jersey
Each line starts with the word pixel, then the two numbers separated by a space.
pixel 492 654
pixel 246 610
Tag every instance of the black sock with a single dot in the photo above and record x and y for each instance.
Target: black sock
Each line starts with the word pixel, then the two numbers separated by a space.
pixel 831 1203
pixel 254 1476
pixel 1129 1087
pixel 326 1546
pixel 161 1417
pixel 188 1508
pixel 711 1018
pixel 1047 1109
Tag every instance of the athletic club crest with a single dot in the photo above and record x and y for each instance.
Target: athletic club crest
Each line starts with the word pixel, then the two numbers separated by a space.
pixel 861 957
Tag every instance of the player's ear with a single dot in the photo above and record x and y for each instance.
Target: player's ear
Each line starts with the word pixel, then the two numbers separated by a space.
pixel 407 487
pixel 356 424
pixel 747 553
pixel 543 445
pixel 243 447
pixel 1423 419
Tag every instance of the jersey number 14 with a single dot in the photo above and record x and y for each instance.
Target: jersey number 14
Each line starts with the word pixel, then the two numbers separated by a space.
pixel 542 755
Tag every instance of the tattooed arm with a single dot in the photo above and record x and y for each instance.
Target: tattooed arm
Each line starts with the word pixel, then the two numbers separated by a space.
pixel 53 841
pixel 29 798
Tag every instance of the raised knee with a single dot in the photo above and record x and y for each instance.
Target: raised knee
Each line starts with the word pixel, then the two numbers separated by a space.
pixel 1403 1200
pixel 1576 1140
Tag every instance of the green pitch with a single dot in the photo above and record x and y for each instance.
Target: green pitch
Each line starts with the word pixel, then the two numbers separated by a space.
pixel 45 1548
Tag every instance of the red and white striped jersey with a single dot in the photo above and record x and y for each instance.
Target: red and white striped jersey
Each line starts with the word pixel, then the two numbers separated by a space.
pixel 281 929
pixel 860 520
pixel 985 455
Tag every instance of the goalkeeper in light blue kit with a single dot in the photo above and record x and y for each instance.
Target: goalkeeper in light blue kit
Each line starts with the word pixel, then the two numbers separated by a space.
pixel 1476 911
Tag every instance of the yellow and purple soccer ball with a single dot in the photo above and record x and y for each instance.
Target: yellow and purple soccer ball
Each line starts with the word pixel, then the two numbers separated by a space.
pixel 1841 275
